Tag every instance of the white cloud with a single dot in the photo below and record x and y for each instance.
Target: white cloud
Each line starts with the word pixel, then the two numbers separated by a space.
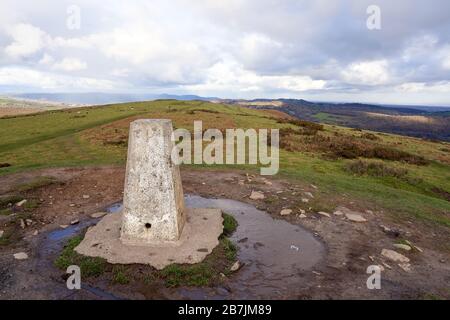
pixel 27 40
pixel 23 77
pixel 70 64
pixel 367 73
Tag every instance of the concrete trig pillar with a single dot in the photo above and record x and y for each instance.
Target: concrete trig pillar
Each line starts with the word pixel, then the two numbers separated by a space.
pixel 153 204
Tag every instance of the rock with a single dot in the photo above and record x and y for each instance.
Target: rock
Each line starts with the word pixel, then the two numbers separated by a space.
pixel 29 222
pixel 394 256
pixel 2 233
pixel 63 226
pixel 386 265
pixel 325 214
pixel 72 205
pixel 20 256
pixel 338 213
pixel 86 196
pixel 21 203
pixel 305 200
pixel 35 233
pixel 98 215
pixel 355 217
pixel 236 266
pixel 302 211
pixel 73 222
pixel 22 223
pixel 402 246
pixel 314 186
pixel 285 212
pixel 256 195
pixel 309 194
pixel 302 216
pixel 405 266
pixel 369 211
pixel 390 231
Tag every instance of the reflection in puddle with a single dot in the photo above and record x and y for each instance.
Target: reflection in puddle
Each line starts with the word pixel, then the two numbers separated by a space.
pixel 276 254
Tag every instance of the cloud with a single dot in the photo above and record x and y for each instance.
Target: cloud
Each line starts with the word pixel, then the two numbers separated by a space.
pixel 239 48
pixel 367 73
pixel 69 64
pixel 27 40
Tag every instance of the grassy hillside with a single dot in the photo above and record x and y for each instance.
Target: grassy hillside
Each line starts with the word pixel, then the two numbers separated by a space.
pixel 407 177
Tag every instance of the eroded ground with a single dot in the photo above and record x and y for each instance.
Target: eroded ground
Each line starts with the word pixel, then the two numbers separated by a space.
pixel 57 197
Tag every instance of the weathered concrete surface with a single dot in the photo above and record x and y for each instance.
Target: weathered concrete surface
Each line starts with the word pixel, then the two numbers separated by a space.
pixel 153 195
pixel 199 237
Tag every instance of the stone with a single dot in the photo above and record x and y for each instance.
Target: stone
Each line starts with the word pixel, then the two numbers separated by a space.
pixel 305 200
pixel 35 233
pixel 302 216
pixel 63 226
pixel 355 217
pixel 86 196
pixel 302 211
pixel 255 195
pixel 2 233
pixel 236 266
pixel 22 223
pixel 153 203
pixel 202 230
pixel 285 212
pixel 309 194
pixel 74 222
pixel 394 256
pixel 20 256
pixel 98 215
pixel 338 213
pixel 21 203
pixel 28 222
pixel 402 246
pixel 325 214
pixel 72 205
pixel 405 267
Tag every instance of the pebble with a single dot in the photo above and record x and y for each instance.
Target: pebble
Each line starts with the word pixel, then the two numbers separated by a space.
pixel 309 194
pixel 255 195
pixel 325 214
pixel 402 246
pixel 302 216
pixel 394 256
pixel 73 222
pixel 285 212
pixel 63 226
pixel 355 217
pixel 86 196
pixel 98 215
pixel 305 200
pixel 236 266
pixel 405 266
pixel 2 233
pixel 20 256
pixel 21 203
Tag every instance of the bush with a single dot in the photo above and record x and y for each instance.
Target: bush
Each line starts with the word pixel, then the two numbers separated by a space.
pixel 375 169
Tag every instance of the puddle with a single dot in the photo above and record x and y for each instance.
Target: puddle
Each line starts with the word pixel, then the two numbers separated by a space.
pixel 278 256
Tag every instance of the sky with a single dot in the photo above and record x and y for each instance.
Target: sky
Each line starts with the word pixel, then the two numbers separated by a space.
pixel 318 50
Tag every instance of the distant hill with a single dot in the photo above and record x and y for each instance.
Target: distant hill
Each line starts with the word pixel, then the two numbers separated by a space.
pixel 417 121
pixel 99 98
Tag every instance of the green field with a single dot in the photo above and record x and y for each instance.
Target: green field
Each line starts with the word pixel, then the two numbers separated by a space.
pixel 98 135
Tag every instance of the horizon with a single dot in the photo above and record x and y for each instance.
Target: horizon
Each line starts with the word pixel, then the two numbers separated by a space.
pixel 152 96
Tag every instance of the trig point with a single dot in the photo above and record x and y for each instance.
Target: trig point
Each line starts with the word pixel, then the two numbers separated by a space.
pixel 154 226
pixel 153 203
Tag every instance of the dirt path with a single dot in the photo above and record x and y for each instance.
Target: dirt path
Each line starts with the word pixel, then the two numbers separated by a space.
pixel 350 247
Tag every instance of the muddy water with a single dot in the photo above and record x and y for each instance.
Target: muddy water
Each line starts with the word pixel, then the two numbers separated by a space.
pixel 277 257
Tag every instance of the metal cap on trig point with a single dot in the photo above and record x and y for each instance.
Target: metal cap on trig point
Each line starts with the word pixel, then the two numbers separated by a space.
pixel 153 204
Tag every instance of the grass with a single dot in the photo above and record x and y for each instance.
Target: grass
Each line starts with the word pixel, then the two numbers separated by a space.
pixel 89 266
pixel 204 273
pixel 99 138
pixel 229 224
